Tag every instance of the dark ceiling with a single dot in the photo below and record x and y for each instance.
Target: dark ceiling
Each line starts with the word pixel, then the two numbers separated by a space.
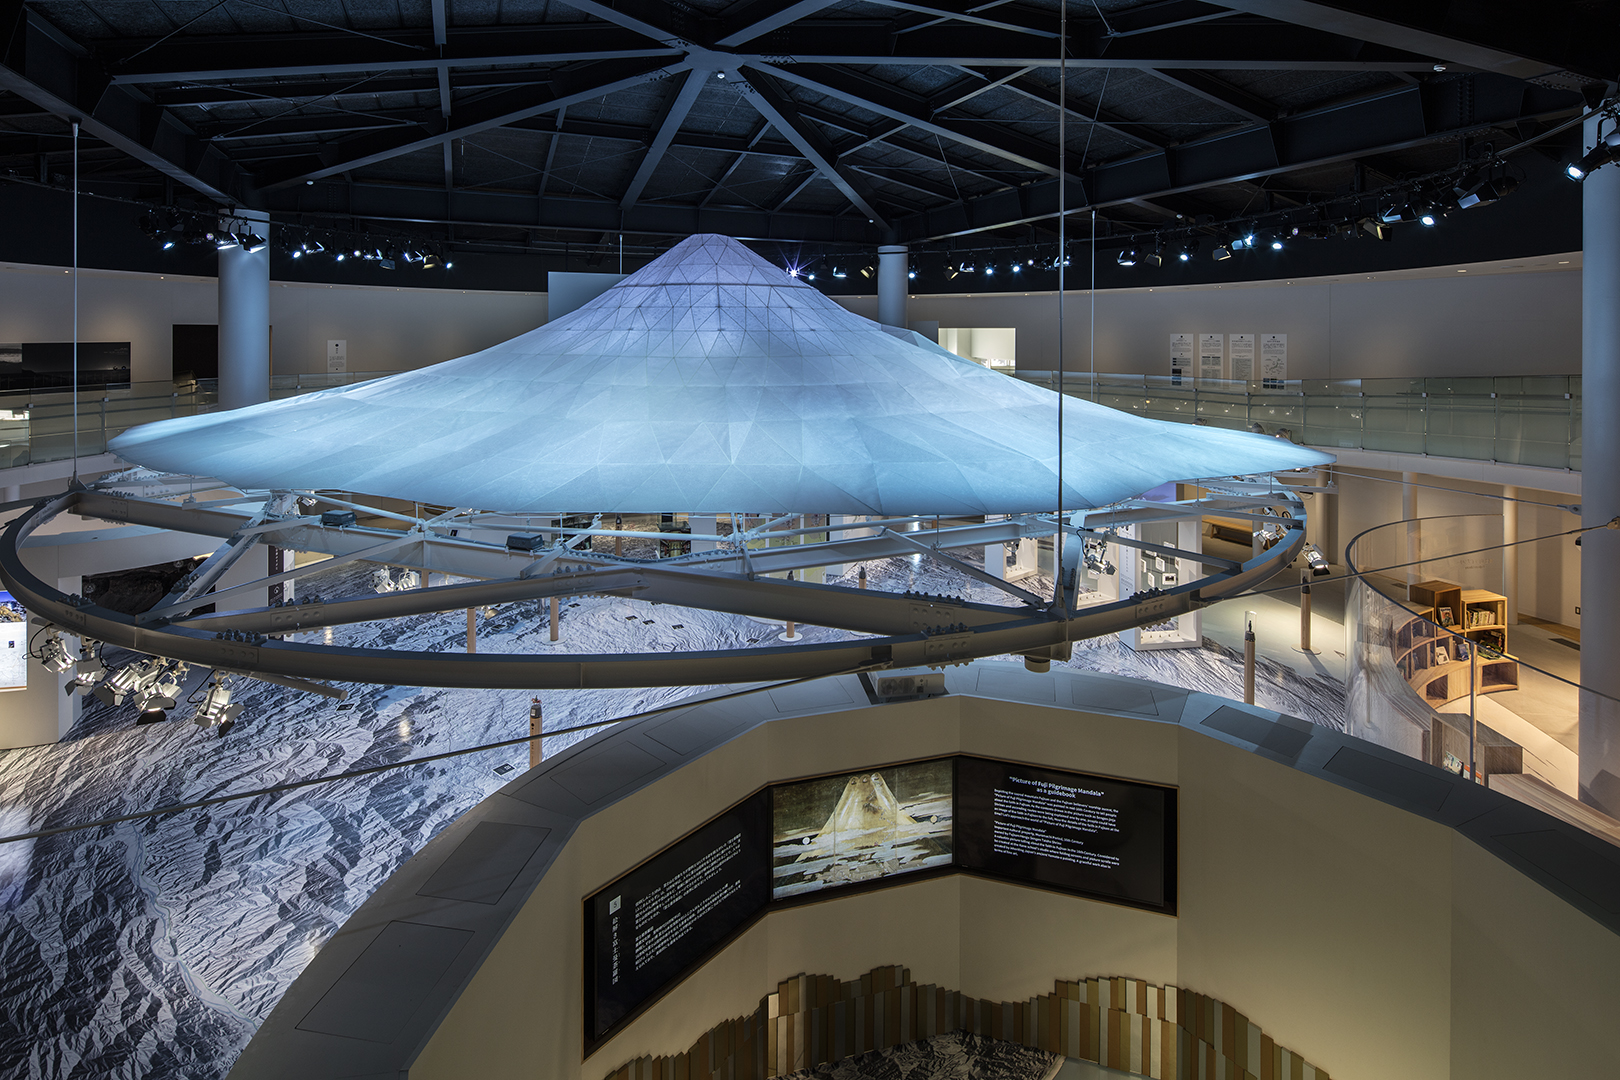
pixel 524 124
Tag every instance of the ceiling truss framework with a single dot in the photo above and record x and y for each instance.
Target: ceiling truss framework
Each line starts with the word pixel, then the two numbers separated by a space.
pixel 833 121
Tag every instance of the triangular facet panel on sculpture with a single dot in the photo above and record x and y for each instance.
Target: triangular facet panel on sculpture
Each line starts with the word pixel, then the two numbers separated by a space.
pixel 708 381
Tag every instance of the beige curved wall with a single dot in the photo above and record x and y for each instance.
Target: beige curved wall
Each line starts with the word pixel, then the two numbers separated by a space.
pixel 1374 942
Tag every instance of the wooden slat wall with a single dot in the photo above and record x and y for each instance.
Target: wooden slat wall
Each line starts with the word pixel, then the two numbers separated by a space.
pixel 1163 1032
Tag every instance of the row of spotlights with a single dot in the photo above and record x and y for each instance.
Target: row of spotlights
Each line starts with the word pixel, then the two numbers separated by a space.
pixel 152 684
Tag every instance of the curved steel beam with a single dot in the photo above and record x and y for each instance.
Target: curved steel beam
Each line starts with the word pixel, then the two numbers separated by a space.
pixel 930 645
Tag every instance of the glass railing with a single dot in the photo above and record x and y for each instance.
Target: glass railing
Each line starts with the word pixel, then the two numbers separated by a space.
pixel 1436 671
pixel 1520 420
pixel 38 425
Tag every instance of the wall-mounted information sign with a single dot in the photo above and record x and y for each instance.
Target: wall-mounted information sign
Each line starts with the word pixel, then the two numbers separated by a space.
pixel 13 644
pixel 1181 358
pixel 1273 361
pixel 1107 839
pixel 1242 346
pixel 665 916
pixel 1211 356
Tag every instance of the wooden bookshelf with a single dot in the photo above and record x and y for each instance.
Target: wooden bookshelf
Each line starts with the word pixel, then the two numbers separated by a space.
pixel 1450 619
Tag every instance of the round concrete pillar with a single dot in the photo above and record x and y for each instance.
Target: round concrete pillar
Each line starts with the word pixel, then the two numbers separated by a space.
pixel 894 281
pixel 244 314
pixel 1600 486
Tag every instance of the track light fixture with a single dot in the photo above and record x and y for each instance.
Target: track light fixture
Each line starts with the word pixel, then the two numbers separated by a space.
pixel 53 655
pixel 155 701
pixel 1316 561
pixel 1607 150
pixel 132 678
pixel 215 710
pixel 1221 253
pixel 1127 257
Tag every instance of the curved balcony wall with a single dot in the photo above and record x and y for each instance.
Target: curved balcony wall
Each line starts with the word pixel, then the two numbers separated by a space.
pixel 1432 670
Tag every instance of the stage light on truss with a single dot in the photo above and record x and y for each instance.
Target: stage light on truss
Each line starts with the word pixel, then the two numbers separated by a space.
pixel 156 699
pixel 53 655
pixel 1221 253
pixel 129 680
pixel 1316 561
pixel 216 709
pixel 1127 256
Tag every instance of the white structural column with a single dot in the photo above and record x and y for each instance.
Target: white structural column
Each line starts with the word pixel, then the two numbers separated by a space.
pixel 244 317
pixel 1510 555
pixel 1600 486
pixel 894 270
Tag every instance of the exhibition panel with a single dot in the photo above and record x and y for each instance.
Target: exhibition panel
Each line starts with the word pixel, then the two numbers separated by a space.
pixel 1094 836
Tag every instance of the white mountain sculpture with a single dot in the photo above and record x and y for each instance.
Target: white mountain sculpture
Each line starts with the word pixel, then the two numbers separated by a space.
pixel 708 381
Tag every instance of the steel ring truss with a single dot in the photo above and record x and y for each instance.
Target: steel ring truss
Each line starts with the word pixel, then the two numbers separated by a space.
pixel 911 630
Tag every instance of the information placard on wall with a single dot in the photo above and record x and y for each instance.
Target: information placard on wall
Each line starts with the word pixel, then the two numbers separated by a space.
pixel 1113 839
pixel 1211 356
pixel 1181 358
pixel 337 355
pixel 652 924
pixel 1242 346
pixel 1273 361
pixel 13 644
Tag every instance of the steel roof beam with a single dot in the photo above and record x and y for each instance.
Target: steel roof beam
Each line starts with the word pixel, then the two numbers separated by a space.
pixel 270 56
pixel 1475 35
pixel 1262 46
pixel 1410 116
pixel 677 104
pixel 775 107
pixel 1102 119
pixel 587 84
pixel 868 93
pixel 743 22
pixel 526 211
pixel 1220 92
pixel 39 64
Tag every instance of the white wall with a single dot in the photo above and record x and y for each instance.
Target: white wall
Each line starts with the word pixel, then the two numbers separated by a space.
pixel 1511 318
pixel 387 328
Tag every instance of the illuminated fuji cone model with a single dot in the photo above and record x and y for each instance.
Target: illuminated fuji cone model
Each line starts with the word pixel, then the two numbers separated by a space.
pixel 708 381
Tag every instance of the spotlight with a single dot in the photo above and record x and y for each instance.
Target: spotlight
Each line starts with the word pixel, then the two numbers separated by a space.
pixel 298 253
pixel 167 244
pixel 1316 561
pixel 1016 268
pixel 1222 253
pixel 340 256
pixel 160 695
pixel 1429 216
pixel 839 273
pixel 1397 212
pixel 1277 244
pixel 87 672
pixel 967 268
pixel 1126 257
pixel 1154 258
pixel 1269 536
pixel 1096 557
pixel 1595 158
pixel 989 270
pixel 215 709
pixel 911 275
pixel 53 655
pixel 130 679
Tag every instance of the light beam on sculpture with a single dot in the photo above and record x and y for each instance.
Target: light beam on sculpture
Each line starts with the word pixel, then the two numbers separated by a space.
pixel 708 381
